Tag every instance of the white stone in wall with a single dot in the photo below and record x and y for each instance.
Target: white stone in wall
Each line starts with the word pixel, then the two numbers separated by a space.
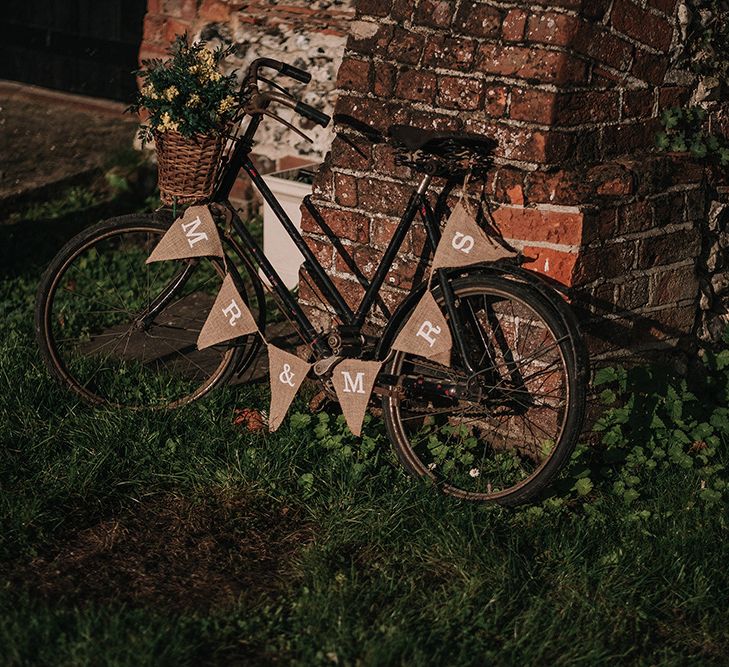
pixel 302 45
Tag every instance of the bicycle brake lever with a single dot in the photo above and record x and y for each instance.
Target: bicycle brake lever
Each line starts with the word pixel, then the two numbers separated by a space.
pixel 283 89
pixel 287 124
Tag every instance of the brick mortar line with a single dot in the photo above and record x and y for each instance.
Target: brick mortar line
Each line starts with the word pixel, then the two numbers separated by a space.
pixel 652 277
pixel 318 305
pixel 414 26
pixel 560 247
pixel 624 315
pixel 571 210
pixel 650 233
pixel 626 77
pixel 498 80
pixel 419 29
pixel 522 165
pixel 674 189
pixel 323 238
pixel 550 208
pixel 633 352
pixel 644 310
pixel 651 10
pixel 657 12
pixel 649 272
pixel 685 189
pixel 409 256
pixel 371 174
pixel 338 207
pixel 474 114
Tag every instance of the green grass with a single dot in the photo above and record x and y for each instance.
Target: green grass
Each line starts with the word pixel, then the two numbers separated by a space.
pixel 317 552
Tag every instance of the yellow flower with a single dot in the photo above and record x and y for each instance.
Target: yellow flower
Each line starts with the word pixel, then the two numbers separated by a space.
pixel 205 72
pixel 193 101
pixel 149 91
pixel 171 93
pixel 226 104
pixel 206 57
pixel 167 124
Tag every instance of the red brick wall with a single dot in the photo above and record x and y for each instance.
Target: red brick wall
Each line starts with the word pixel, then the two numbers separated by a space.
pixel 572 90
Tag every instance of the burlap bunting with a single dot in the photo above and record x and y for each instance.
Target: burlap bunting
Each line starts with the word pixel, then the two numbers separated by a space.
pixel 287 372
pixel 228 318
pixel 464 242
pixel 353 380
pixel 426 333
pixel 192 235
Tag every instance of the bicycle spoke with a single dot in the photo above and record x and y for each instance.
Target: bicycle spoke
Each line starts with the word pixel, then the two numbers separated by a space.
pixel 510 416
pixel 95 347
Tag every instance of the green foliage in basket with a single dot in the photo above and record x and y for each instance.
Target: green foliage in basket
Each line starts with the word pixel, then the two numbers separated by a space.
pixel 185 93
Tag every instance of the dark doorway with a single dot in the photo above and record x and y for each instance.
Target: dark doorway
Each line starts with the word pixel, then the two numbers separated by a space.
pixel 81 46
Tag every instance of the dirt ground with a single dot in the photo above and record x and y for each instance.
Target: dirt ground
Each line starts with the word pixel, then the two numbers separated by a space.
pixel 44 140
pixel 173 552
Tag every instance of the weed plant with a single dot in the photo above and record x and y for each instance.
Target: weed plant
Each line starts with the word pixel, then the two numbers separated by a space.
pixel 133 538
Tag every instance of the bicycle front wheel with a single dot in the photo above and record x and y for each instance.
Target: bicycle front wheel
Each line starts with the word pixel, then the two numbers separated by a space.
pixel 94 327
pixel 501 432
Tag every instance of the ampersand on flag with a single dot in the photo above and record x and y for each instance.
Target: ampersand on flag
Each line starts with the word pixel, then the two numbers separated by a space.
pixel 287 372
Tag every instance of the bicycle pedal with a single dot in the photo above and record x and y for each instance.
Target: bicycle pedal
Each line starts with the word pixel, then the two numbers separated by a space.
pixel 323 366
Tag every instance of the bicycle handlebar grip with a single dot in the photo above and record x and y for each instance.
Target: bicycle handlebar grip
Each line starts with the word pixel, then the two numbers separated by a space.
pixel 312 114
pixel 295 73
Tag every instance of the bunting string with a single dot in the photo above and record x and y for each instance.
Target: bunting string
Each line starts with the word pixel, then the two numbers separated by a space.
pixel 426 332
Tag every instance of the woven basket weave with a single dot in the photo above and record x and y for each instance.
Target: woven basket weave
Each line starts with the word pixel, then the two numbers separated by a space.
pixel 187 166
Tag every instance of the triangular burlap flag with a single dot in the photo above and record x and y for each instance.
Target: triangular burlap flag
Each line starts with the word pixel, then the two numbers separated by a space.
pixel 192 235
pixel 426 333
pixel 228 318
pixel 464 242
pixel 353 381
pixel 287 373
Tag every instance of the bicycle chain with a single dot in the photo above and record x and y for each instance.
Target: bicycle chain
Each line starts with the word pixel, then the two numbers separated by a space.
pixel 451 377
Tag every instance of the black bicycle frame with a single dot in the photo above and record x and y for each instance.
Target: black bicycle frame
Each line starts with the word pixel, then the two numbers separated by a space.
pixel 418 204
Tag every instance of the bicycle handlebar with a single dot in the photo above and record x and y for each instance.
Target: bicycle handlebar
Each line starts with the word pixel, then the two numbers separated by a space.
pixel 250 83
pixel 283 68
pixel 295 73
pixel 312 114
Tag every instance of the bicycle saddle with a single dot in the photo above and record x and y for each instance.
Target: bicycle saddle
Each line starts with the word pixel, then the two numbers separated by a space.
pixel 441 153
pixel 449 154
pixel 415 138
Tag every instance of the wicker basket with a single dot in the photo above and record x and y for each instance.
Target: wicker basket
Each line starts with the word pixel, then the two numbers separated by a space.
pixel 187 166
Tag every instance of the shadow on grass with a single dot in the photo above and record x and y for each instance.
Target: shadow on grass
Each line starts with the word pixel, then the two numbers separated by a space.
pixel 183 554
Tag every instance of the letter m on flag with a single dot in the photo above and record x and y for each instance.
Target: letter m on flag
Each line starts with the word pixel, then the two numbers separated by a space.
pixel 190 229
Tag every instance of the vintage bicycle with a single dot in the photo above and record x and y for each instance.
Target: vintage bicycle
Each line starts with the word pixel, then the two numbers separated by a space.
pixel 496 424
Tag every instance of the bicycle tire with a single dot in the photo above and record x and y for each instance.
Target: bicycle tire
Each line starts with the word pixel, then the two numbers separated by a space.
pixel 425 462
pixel 234 357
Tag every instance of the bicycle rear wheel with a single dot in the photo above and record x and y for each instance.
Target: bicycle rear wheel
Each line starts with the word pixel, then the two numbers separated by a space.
pixel 500 434
pixel 94 329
